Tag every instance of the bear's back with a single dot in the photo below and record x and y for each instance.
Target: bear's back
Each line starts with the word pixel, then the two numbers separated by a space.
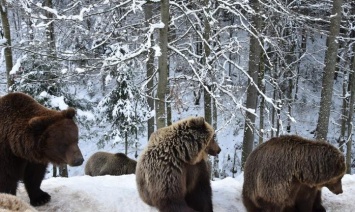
pixel 20 105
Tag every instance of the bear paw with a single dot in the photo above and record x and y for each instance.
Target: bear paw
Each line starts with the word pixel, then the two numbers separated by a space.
pixel 319 208
pixel 41 199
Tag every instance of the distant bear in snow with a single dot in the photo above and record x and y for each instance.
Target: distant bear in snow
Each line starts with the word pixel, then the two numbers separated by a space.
pixel 172 172
pixel 105 163
pixel 288 172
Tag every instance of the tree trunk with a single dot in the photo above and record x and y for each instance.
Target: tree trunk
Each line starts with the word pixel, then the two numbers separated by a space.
pixel 136 144
pixel 125 143
pixel 216 158
pixel 252 94
pixel 329 69
pixel 168 103
pixel 150 68
pixel 168 112
pixel 50 30
pixel 273 109
pixel 278 117
pixel 230 53
pixel 207 51
pixel 350 117
pixel 261 85
pixel 288 76
pixel 303 49
pixel 7 35
pixel 163 66
pixel 60 170
pixel 63 170
pixel 207 105
pixel 54 174
pixel 344 112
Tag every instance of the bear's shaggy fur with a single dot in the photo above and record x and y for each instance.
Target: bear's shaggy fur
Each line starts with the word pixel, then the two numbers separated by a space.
pixel 11 203
pixel 287 173
pixel 172 172
pixel 105 163
pixel 31 136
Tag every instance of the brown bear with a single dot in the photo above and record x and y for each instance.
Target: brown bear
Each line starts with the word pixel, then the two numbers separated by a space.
pixel 31 136
pixel 11 203
pixel 105 163
pixel 172 172
pixel 288 172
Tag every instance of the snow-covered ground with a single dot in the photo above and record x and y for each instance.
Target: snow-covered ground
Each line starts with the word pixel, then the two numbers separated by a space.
pixel 119 194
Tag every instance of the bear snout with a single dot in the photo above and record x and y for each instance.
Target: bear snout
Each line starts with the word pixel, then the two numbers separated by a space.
pixel 335 188
pixel 336 191
pixel 75 159
pixel 77 162
pixel 214 152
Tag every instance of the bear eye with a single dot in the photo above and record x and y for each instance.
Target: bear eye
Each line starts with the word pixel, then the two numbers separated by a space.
pixel 63 147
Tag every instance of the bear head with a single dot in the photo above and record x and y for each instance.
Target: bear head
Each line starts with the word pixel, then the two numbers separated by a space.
pixel 334 160
pixel 199 125
pixel 213 147
pixel 58 137
pixel 335 185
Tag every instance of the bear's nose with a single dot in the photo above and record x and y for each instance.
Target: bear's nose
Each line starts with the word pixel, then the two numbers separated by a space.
pixel 339 192
pixel 77 162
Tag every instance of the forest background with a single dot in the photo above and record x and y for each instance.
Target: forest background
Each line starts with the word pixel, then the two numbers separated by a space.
pixel 254 69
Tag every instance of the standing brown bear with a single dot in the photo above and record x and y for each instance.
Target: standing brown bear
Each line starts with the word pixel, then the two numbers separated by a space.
pixel 105 163
pixel 172 172
pixel 31 136
pixel 287 173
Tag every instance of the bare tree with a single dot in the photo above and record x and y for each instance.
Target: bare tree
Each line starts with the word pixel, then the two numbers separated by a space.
pixel 207 52
pixel 261 85
pixel 252 93
pixel 7 35
pixel 163 66
pixel 351 113
pixel 329 69
pixel 150 68
pixel 350 124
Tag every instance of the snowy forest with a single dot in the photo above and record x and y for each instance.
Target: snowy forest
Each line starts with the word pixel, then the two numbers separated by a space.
pixel 254 69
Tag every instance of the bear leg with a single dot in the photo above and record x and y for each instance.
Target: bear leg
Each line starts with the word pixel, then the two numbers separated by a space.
pixel 199 193
pixel 308 199
pixel 317 206
pixel 11 171
pixel 34 174
pixel 8 185
pixel 200 198
pixel 249 205
pixel 167 205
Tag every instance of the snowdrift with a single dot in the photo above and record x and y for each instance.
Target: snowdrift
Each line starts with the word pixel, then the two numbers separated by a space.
pixel 119 194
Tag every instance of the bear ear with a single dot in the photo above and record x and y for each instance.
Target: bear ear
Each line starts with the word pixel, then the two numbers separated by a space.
pixel 69 113
pixel 196 122
pixel 40 122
